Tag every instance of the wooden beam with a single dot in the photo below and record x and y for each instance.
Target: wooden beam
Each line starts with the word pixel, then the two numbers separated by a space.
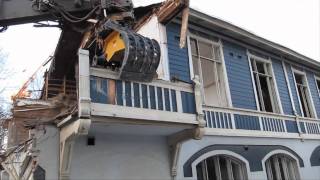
pixel 184 25
pixel 111 91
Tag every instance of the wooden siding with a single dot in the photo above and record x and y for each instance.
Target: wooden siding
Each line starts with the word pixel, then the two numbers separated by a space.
pixel 282 87
pixel 178 58
pixel 239 77
pixel 293 89
pixel 247 122
pixel 314 92
pixel 188 102
pixel 291 126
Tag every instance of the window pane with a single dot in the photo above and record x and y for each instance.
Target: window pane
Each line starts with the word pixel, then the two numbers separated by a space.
pixel 258 92
pixel 236 170
pixel 195 63
pixel 303 95
pixel 200 171
pixel 194 49
pixel 206 50
pixel 265 94
pixel 211 169
pixel 298 78
pixel 210 87
pixel 223 168
pixel 260 67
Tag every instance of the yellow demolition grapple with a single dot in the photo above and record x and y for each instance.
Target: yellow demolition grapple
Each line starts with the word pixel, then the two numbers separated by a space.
pixel 138 56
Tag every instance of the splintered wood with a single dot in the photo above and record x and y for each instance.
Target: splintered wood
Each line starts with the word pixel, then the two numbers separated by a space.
pixel 170 9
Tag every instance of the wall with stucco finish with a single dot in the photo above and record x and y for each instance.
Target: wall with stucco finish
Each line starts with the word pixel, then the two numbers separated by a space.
pixel 120 157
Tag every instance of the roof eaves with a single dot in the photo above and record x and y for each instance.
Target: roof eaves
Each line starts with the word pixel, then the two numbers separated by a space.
pixel 227 25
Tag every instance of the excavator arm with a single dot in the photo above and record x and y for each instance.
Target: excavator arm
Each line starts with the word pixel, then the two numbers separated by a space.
pixel 13 12
pixel 115 41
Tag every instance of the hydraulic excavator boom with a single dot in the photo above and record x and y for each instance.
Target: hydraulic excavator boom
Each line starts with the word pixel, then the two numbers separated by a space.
pixel 137 57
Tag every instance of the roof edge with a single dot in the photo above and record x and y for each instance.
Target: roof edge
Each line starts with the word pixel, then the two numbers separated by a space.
pixel 236 29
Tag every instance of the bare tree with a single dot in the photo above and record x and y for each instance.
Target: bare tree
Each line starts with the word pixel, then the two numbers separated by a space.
pixel 4 104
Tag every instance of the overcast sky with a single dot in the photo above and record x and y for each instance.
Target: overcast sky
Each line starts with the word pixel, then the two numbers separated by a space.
pixel 292 23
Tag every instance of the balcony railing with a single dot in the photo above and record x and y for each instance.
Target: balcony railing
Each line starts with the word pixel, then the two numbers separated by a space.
pixel 157 100
pixel 255 121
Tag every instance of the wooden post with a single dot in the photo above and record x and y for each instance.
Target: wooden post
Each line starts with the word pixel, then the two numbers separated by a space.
pixel 184 25
pixel 111 91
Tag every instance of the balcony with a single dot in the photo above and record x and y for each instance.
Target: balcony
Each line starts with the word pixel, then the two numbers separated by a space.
pixel 243 122
pixel 155 101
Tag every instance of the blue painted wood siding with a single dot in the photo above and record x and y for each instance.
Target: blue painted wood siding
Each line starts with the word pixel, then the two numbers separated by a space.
pixel 293 89
pixel 247 122
pixel 239 77
pixel 314 92
pixel 282 87
pixel 291 126
pixel 178 58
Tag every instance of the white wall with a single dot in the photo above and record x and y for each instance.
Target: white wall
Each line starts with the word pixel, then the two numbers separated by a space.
pixel 302 148
pixel 120 157
pixel 155 30
pixel 48 144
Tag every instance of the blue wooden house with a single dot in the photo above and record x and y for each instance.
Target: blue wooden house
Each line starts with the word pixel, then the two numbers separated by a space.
pixel 229 105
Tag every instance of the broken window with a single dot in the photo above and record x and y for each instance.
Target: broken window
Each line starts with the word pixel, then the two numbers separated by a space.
pixel 265 85
pixel 221 168
pixel 282 167
pixel 207 64
pixel 303 94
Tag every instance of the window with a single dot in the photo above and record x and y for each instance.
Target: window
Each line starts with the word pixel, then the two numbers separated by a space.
pixel 264 85
pixel 207 64
pixel 221 168
pixel 282 167
pixel 318 84
pixel 303 94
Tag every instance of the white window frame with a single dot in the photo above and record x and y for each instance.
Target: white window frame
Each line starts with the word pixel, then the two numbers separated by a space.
pixel 309 95
pixel 224 78
pixel 276 102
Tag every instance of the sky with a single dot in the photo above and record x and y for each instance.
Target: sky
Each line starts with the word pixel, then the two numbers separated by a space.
pixel 292 23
